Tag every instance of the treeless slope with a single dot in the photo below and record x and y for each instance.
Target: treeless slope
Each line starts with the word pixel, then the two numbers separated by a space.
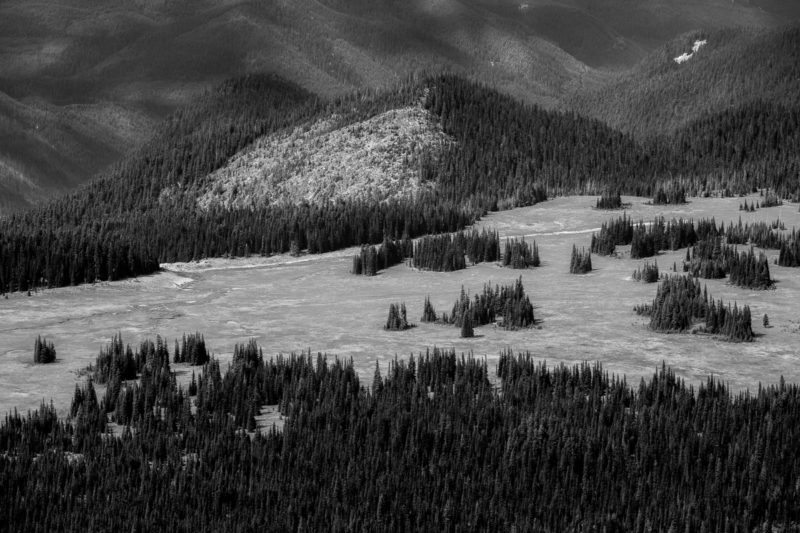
pixel 326 161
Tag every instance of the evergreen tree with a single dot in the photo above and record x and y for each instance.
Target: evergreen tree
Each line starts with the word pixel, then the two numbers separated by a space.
pixel 428 313
pixel 467 330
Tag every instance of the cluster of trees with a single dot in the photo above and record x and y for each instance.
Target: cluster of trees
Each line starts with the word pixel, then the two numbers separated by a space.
pixel 680 302
pixel 617 232
pixel 751 208
pixel 760 234
pixel 422 447
pixel 446 253
pixel 118 360
pixel 398 318
pixel 43 352
pixel 428 312
pixel 647 273
pixel 391 252
pixel 609 201
pixel 710 259
pixel 789 254
pixel 519 254
pixel 770 199
pixel 581 261
pixel 192 350
pixel 647 241
pixel 670 196
pixel 750 270
pixel 509 303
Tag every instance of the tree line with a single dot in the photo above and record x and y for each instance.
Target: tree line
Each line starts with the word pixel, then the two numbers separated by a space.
pixel 429 444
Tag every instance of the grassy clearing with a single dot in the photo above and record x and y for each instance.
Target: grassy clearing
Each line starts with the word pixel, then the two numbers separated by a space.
pixel 292 304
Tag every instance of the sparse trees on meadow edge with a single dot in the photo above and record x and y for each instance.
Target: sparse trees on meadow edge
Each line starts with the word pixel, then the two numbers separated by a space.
pixel 674 195
pixel 609 201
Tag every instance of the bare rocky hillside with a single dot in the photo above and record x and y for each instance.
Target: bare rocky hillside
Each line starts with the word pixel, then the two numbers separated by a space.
pixel 326 161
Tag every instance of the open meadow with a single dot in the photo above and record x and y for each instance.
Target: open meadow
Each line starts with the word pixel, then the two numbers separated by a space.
pixel 313 302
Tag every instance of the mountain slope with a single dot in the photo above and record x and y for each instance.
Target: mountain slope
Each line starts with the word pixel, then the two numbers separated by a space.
pixel 142 60
pixel 46 149
pixel 732 68
pixel 178 197
pixel 326 161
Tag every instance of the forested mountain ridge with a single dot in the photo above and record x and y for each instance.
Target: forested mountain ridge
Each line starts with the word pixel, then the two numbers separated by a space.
pixel 732 68
pixel 500 153
pixel 80 66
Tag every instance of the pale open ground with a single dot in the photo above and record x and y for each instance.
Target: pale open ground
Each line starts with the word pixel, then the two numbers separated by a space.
pixel 291 304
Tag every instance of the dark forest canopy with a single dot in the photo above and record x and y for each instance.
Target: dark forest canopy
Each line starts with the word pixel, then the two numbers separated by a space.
pixel 505 154
pixel 431 445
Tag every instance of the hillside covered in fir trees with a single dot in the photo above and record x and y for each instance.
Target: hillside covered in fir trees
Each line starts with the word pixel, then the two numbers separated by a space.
pixel 501 154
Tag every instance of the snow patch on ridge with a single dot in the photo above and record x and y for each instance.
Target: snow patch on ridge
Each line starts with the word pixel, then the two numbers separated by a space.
pixel 686 56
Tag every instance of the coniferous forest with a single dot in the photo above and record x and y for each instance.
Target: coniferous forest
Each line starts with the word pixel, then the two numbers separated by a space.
pixel 144 210
pixel 438 441
pixel 430 445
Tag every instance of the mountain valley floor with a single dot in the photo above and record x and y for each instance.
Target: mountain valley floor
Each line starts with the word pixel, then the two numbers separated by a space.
pixel 313 302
